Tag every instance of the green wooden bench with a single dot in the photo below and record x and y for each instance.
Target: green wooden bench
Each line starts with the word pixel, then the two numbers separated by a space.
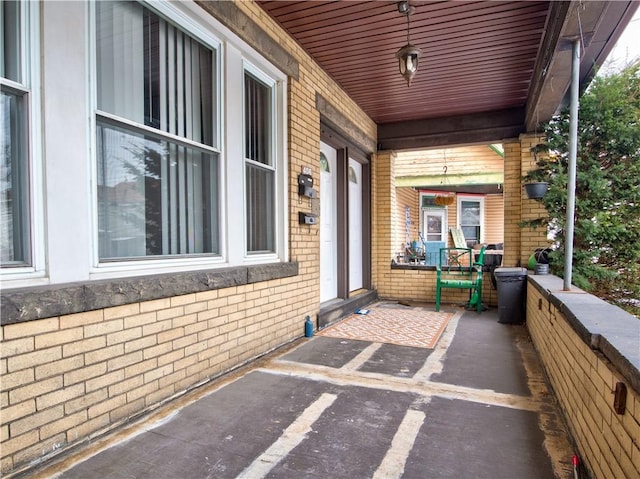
pixel 457 269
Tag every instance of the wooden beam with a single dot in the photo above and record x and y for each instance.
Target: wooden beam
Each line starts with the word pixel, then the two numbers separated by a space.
pixel 488 127
pixel 340 122
pixel 426 181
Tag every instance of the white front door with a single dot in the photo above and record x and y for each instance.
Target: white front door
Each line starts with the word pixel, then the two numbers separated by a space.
pixel 355 225
pixel 328 223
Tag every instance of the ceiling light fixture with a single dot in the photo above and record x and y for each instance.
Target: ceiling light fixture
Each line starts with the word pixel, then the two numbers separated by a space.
pixel 408 55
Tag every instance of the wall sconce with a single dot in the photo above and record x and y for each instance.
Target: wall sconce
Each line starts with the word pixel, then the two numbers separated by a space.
pixel 408 55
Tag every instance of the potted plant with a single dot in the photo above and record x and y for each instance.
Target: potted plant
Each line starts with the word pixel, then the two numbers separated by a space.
pixel 536 190
pixel 539 261
pixel 534 185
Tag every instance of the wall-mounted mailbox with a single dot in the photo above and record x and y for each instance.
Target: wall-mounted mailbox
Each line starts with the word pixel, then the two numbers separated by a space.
pixel 307 218
pixel 305 186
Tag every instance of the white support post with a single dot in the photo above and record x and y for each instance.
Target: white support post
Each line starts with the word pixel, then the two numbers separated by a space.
pixel 573 151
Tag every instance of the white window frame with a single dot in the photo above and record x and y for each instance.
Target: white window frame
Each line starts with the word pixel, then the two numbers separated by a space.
pixel 30 86
pixel 193 20
pixel 435 211
pixel 424 209
pixel 185 23
pixel 274 165
pixel 479 199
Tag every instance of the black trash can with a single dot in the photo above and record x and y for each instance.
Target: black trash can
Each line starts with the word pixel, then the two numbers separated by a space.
pixel 512 298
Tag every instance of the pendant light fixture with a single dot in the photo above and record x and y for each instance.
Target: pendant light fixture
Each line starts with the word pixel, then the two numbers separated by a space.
pixel 408 55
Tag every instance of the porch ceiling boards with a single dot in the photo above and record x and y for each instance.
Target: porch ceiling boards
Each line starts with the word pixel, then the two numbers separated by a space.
pixel 488 71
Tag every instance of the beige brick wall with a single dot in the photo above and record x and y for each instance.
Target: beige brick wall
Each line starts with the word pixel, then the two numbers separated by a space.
pixel 512 204
pixel 531 238
pixel 68 378
pixel 520 242
pixel 584 381
pixel 420 285
pixel 383 224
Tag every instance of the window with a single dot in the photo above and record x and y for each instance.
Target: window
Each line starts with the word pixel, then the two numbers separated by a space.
pixel 158 164
pixel 324 163
pixel 471 218
pixel 353 177
pixel 433 227
pixel 434 220
pixel 17 131
pixel 184 178
pixel 260 173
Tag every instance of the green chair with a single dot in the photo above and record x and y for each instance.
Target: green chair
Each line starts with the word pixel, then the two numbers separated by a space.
pixel 458 269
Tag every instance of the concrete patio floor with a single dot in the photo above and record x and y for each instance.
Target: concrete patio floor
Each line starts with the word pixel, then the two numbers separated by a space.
pixel 475 406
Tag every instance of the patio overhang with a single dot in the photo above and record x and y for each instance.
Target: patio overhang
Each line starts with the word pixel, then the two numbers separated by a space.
pixel 489 71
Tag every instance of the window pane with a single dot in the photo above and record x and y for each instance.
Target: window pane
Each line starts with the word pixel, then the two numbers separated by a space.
pixel 257 119
pixel 428 201
pixel 152 73
pixel 155 197
pixel 260 209
pixel 434 228
pixel 470 221
pixel 14 207
pixel 260 178
pixel 324 163
pixel 471 234
pixel 353 178
pixel 11 45
pixel 470 213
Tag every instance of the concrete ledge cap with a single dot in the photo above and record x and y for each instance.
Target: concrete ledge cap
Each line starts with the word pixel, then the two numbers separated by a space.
pixel 26 304
pixel 601 325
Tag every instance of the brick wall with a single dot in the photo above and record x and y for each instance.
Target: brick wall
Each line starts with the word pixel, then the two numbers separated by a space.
pixel 512 204
pixel 584 379
pixel 420 285
pixel 69 378
pixel 520 242
pixel 384 227
pixel 72 377
pixel 530 238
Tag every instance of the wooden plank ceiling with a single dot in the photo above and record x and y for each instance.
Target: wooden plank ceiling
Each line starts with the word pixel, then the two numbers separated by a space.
pixel 490 45
pixel 479 58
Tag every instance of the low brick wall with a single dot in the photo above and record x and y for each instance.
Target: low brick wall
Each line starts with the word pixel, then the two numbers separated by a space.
pixel 587 347
pixel 70 378
pixel 418 283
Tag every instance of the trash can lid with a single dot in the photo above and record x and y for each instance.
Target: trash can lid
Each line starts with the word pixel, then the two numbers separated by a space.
pixel 510 271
